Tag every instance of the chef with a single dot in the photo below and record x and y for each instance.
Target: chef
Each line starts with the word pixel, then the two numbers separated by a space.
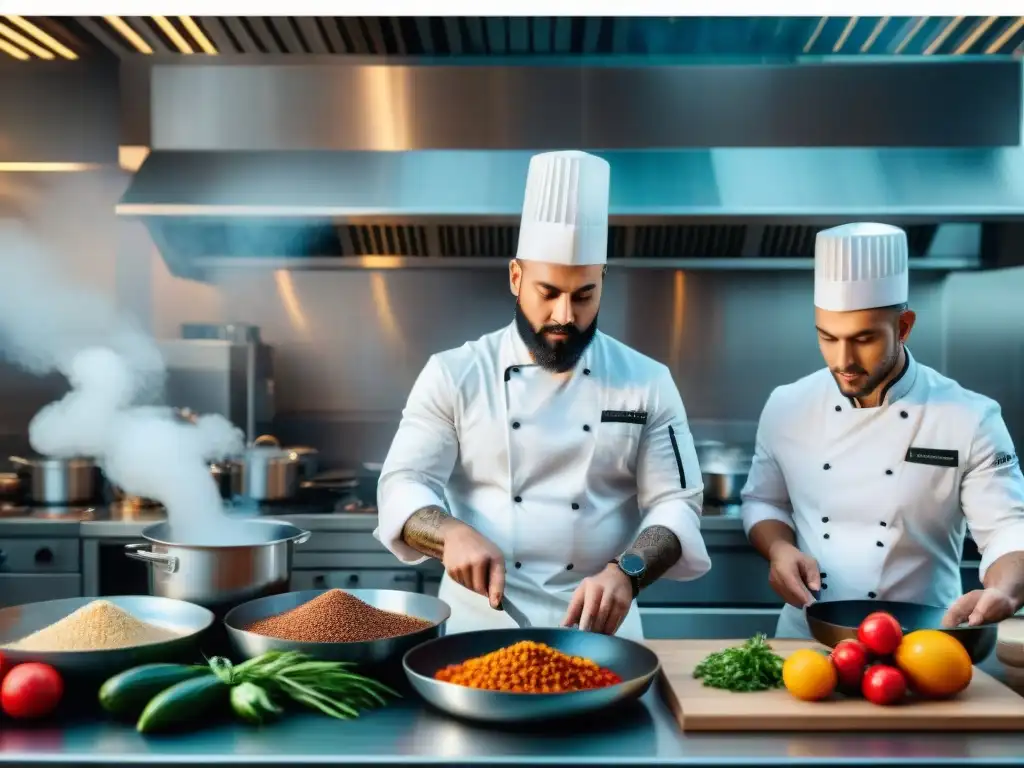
pixel 548 466
pixel 867 472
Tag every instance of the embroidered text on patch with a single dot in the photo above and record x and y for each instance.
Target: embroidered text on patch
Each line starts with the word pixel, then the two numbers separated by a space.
pixel 624 417
pixel 933 456
pixel 1004 458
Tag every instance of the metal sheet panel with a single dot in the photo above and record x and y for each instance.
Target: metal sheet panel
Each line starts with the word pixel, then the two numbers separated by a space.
pixel 933 184
pixel 364 106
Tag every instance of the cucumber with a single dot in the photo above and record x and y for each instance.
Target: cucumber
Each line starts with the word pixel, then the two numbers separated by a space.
pixel 183 703
pixel 127 694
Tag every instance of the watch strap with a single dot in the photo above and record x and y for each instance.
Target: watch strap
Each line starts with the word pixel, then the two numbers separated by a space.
pixel 634 581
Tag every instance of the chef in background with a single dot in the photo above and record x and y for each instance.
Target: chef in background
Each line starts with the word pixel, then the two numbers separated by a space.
pixel 867 472
pixel 547 464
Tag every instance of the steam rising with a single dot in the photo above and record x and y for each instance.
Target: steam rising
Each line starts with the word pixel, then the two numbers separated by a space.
pixel 116 375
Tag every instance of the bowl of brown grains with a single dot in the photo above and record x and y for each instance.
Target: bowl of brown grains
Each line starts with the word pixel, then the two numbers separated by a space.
pixel 88 637
pixel 364 626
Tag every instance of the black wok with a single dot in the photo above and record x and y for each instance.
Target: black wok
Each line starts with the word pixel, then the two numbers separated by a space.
pixel 831 622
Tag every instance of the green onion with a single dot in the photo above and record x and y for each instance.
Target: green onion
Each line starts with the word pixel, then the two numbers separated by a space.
pixel 327 686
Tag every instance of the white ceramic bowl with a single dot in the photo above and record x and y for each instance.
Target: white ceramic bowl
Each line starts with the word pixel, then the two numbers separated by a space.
pixel 1010 643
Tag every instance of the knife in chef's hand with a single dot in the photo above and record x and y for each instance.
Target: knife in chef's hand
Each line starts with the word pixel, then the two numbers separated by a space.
pixel 514 613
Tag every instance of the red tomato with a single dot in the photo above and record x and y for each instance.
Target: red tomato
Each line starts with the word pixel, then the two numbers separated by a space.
pixel 850 658
pixel 883 684
pixel 880 633
pixel 31 690
pixel 3 666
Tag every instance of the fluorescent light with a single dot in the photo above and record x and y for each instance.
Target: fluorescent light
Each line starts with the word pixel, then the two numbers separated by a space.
pixel 42 37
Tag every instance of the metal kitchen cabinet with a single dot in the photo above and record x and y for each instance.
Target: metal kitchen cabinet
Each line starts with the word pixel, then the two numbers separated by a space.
pixel 33 570
pixel 707 623
pixel 738 576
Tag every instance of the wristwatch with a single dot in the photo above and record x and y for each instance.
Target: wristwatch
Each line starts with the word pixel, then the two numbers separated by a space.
pixel 634 567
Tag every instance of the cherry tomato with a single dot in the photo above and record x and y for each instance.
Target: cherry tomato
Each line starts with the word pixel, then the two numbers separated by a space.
pixel 880 633
pixel 850 658
pixel 883 684
pixel 31 690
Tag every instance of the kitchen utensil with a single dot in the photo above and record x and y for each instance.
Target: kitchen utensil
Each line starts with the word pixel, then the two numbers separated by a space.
pixel 265 471
pixel 189 621
pixel 514 613
pixel 724 470
pixel 636 664
pixel 837 620
pixel 58 481
pixel 250 644
pixel 986 705
pixel 221 566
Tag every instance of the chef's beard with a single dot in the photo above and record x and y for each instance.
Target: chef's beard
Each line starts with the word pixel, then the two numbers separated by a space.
pixel 874 380
pixel 557 356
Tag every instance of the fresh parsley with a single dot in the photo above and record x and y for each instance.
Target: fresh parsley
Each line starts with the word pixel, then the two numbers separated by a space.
pixel 753 666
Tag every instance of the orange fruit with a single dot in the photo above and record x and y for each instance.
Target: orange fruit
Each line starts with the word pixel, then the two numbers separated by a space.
pixel 809 675
pixel 936 664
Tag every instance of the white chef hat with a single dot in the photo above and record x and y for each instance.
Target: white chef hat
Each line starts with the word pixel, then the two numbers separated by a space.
pixel 860 266
pixel 565 209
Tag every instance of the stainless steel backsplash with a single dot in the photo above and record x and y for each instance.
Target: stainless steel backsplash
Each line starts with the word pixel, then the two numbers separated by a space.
pixel 348 345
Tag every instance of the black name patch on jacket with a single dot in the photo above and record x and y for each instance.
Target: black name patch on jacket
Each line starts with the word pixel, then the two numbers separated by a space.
pixel 933 457
pixel 625 417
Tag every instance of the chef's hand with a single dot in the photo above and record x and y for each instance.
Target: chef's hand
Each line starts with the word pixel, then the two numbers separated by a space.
pixel 601 602
pixel 793 574
pixel 473 561
pixel 980 606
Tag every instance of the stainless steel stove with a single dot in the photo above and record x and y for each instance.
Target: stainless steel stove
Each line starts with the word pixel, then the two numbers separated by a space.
pixel 11 511
pixel 40 557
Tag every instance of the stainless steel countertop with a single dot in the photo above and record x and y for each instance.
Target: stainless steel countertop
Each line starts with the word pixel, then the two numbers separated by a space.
pixel 118 524
pixel 409 734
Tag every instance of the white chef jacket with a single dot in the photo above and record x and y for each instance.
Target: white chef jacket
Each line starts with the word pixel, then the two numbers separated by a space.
pixel 880 496
pixel 561 473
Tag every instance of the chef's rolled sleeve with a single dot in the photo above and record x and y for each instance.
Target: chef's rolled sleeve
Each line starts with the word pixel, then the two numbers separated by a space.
pixel 420 460
pixel 992 491
pixel 764 495
pixel 670 491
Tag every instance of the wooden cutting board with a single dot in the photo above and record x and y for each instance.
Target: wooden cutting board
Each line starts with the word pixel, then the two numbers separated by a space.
pixel 986 705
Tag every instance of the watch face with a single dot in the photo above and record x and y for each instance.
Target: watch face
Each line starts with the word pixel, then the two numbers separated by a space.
pixel 633 565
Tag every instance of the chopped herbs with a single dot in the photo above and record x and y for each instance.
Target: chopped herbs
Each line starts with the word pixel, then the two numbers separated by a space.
pixel 753 666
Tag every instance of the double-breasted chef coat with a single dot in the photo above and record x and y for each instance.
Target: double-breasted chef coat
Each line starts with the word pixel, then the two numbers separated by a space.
pixel 881 497
pixel 560 472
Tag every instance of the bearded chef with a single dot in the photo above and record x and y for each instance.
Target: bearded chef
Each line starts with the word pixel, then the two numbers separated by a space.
pixel 868 471
pixel 547 464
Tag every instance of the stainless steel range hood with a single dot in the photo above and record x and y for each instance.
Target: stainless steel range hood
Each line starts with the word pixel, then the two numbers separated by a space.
pixel 298 178
pixel 666 206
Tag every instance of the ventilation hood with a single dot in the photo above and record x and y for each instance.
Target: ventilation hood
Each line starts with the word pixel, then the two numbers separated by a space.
pixel 324 165
pixel 665 205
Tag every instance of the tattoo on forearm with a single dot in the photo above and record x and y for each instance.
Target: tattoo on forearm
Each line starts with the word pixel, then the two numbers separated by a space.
pixel 660 549
pixel 422 531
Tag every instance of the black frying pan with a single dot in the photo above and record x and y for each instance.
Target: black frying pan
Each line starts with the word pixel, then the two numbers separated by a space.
pixel 831 622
